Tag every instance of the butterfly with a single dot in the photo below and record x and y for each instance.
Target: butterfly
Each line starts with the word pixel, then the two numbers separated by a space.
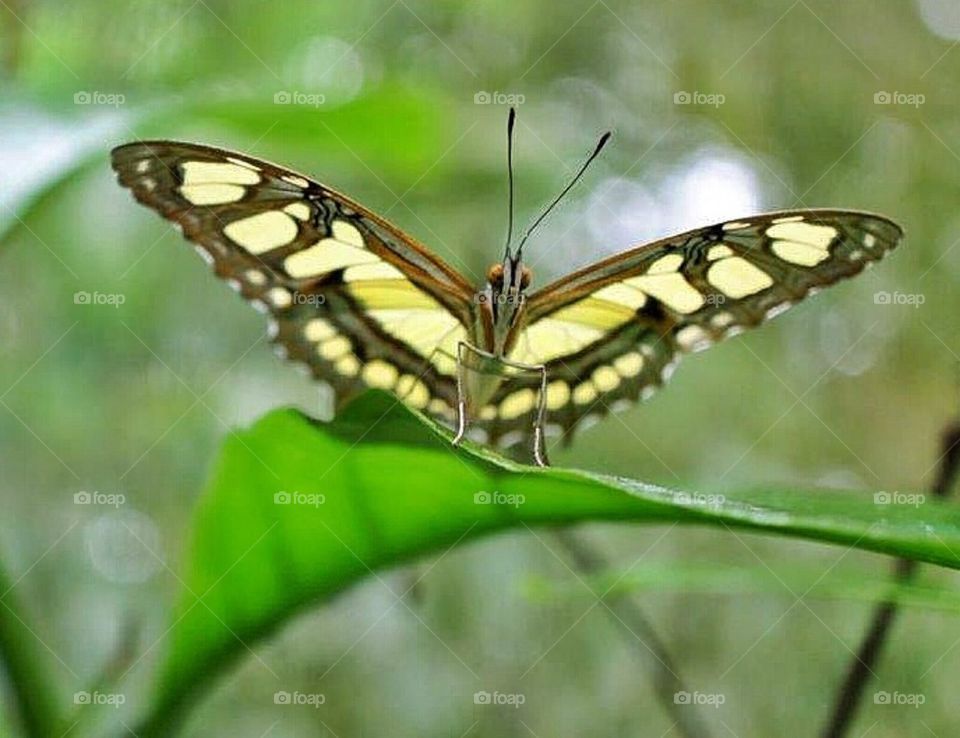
pixel 365 305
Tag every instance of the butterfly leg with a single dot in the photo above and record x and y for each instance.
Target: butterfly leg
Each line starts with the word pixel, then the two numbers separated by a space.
pixel 461 397
pixel 499 369
pixel 539 440
pixel 539 443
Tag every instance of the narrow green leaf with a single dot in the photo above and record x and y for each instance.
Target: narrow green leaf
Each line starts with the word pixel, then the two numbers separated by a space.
pixel 23 659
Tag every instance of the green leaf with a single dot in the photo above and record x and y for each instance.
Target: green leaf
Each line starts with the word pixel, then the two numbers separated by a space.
pixel 264 547
pixel 420 131
pixel 25 664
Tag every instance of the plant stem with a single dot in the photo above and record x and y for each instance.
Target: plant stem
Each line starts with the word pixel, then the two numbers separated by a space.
pixel 851 690
pixel 636 627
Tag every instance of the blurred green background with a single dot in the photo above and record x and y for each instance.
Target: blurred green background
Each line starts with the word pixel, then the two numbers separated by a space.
pixel 402 105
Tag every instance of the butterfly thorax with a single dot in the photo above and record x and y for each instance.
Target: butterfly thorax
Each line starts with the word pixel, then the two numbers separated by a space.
pixel 499 318
pixel 501 302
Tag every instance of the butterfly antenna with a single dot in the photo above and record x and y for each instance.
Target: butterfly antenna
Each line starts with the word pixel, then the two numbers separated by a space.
pixel 576 178
pixel 510 121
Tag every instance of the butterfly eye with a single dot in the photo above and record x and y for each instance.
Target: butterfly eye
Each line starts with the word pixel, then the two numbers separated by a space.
pixel 525 276
pixel 495 274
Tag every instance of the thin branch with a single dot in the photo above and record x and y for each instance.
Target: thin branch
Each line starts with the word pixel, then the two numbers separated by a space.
pixel 664 672
pixel 851 691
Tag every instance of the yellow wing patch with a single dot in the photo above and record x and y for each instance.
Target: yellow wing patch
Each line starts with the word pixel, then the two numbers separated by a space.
pixel 736 277
pixel 262 232
pixel 550 338
pixel 213 193
pixel 800 243
pixel 204 172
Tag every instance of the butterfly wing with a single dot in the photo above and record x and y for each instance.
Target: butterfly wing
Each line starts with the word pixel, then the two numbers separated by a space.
pixel 352 296
pixel 611 333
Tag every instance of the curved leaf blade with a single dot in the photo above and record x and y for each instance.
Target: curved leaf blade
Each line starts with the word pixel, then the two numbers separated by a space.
pixel 298 510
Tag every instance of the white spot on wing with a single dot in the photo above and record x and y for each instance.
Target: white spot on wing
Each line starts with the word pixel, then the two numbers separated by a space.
pixel 777 310
pixel 280 297
pixel 693 338
pixel 204 254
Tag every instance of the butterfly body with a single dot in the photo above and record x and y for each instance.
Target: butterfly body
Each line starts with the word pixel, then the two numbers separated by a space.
pixel 364 304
